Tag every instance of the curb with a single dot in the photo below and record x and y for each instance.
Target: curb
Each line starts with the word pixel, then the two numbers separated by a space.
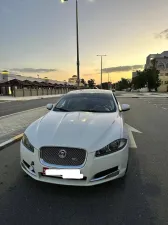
pixel 51 96
pixel 123 96
pixel 11 141
pixel 29 99
pixel 141 97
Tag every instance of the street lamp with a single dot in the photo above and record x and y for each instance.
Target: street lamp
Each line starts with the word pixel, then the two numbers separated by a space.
pixel 101 67
pixel 109 78
pixel 77 43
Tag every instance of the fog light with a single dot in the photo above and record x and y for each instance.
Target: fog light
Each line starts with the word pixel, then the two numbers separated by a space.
pixel 31 166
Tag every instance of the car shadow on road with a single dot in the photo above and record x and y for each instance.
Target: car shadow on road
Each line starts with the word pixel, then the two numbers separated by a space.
pixel 115 203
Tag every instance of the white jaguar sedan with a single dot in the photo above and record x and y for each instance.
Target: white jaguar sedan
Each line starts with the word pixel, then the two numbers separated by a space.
pixel 81 141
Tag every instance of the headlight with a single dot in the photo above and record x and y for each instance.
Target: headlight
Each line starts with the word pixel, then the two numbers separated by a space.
pixel 27 143
pixel 112 147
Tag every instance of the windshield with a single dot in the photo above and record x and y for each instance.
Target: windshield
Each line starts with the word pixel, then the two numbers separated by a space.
pixel 86 103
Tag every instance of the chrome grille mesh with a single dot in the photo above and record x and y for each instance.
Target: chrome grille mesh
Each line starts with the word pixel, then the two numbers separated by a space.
pixel 74 156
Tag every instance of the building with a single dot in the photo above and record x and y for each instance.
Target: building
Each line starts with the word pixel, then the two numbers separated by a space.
pixel 161 64
pixel 4 76
pixel 162 60
pixel 149 58
pixel 7 76
pixel 7 81
pixel 73 79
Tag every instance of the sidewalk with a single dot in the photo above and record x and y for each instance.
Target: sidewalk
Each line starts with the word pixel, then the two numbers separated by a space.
pixel 15 124
pixel 142 95
pixel 118 94
pixel 11 98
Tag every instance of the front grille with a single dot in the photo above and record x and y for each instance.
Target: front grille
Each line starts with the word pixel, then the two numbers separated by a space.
pixel 63 156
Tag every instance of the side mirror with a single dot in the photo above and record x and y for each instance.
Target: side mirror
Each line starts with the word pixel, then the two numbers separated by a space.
pixel 125 107
pixel 49 106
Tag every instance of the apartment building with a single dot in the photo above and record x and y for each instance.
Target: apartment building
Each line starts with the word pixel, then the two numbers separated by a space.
pixel 161 64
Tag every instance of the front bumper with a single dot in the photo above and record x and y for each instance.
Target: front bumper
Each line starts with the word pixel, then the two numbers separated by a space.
pixel 96 170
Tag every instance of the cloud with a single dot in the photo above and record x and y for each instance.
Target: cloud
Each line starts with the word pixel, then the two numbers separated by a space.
pixel 33 70
pixel 163 34
pixel 122 68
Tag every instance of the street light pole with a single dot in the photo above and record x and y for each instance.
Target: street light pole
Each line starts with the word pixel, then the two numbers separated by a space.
pixel 101 68
pixel 77 46
pixel 77 43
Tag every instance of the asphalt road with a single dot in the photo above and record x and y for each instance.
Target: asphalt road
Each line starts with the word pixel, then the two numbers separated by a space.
pixel 141 200
pixel 7 108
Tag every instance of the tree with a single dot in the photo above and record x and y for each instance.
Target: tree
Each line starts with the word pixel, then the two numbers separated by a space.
pixel 140 81
pixel 153 81
pixel 153 77
pixel 148 77
pixel 123 84
pixel 83 82
pixel 91 83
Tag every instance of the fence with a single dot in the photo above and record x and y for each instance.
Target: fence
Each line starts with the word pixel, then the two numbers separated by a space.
pixel 24 92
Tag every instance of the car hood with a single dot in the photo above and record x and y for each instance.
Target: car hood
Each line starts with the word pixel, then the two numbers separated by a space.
pixel 75 129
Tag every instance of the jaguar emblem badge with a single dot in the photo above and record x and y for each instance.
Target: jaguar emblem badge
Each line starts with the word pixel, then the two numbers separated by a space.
pixel 62 153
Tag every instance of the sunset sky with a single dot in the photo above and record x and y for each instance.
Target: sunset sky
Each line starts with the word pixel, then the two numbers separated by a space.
pixel 38 36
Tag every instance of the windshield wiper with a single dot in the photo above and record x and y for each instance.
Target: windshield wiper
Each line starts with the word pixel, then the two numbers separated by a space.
pixel 61 109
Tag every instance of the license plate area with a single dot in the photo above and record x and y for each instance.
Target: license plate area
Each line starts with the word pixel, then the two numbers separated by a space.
pixel 63 173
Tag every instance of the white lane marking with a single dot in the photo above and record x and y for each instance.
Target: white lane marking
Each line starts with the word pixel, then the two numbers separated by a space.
pixel 131 137
pixel 164 108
